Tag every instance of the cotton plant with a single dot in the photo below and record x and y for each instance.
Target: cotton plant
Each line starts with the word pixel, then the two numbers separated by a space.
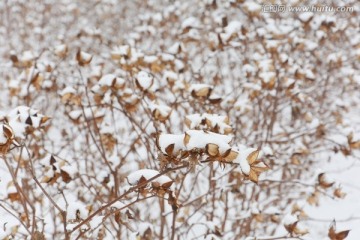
pixel 192 120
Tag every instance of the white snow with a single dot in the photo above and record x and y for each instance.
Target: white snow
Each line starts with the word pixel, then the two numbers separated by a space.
pixel 180 65
pixel 150 59
pixel 163 110
pixel 27 56
pixel 198 139
pixel 174 49
pixel 242 158
pixel 60 50
pixel 167 57
pixel 76 208
pixel 145 79
pixel 85 57
pixel 190 22
pixel 17 119
pixel 96 221
pixel 233 27
pixel 211 119
pixel 107 80
pixel 199 86
pixel 120 51
pixel 289 219
pixel 67 90
pixel 267 76
pixel 306 16
pixel 309 74
pixel 252 6
pixel 167 139
pixel 195 120
pixel 134 177
pixel 170 76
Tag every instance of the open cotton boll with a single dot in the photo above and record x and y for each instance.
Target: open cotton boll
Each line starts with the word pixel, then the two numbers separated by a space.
pixel 18 128
pixel 162 108
pixel 60 50
pixel 244 165
pixel 67 90
pixel 193 120
pixel 218 120
pixel 160 112
pixel 28 56
pixel 83 58
pixel 134 177
pixel 199 139
pixel 22 116
pixel 144 80
pixel 233 27
pixel 242 158
pixel 167 139
pixel 190 22
pixel 289 219
pixel 107 80
pixel 200 90
pixel 120 51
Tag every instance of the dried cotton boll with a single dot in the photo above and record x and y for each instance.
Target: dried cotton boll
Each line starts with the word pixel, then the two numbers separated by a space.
pixel 121 52
pixel 160 112
pixel 61 50
pixel 7 138
pixel 200 90
pixel 83 58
